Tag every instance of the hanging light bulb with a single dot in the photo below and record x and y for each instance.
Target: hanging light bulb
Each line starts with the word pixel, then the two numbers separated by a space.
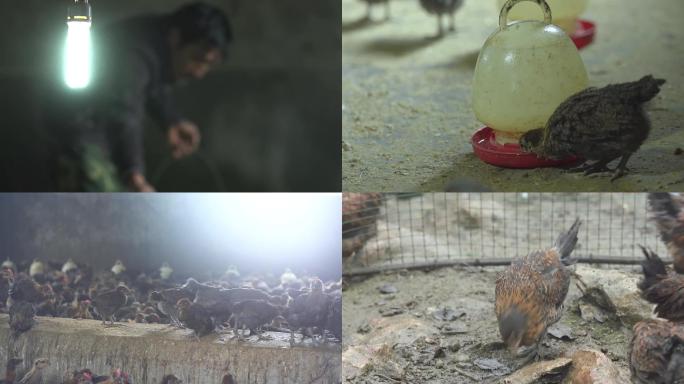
pixel 77 50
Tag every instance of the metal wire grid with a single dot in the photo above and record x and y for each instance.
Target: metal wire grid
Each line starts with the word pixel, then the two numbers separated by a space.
pixel 423 230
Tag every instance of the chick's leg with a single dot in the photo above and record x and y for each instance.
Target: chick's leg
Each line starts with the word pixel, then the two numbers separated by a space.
pixel 452 24
pixel 621 168
pixel 440 28
pixel 387 10
pixel 596 167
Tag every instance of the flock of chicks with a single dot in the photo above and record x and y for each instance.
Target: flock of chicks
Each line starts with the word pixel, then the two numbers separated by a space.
pixel 438 8
pixel 531 291
pixel 255 304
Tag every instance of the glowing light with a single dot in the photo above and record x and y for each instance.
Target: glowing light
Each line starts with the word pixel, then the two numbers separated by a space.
pixel 77 55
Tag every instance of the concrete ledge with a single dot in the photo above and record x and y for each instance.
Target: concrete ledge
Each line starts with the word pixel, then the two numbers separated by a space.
pixel 150 351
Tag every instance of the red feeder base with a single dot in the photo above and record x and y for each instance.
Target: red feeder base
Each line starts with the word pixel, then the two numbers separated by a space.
pixel 509 155
pixel 584 34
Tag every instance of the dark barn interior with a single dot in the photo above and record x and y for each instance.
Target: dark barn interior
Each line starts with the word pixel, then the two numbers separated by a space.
pixel 269 114
pixel 257 237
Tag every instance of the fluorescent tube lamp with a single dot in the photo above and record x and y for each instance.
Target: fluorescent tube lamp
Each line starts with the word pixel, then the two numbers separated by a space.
pixel 78 50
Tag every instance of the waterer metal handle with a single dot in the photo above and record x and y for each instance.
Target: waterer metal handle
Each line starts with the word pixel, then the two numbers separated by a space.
pixel 503 16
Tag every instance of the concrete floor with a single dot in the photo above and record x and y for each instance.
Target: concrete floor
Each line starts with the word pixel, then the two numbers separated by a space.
pixel 406 112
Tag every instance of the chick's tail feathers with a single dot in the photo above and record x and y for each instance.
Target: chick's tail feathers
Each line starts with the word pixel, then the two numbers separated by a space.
pixel 653 268
pixel 566 241
pixel 639 91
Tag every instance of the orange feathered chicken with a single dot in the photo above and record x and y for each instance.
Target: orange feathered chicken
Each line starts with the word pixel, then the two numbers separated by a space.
pixel 530 294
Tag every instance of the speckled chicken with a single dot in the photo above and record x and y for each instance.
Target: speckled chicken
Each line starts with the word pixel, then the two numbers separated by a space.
pixel 21 317
pixel 23 288
pixel 597 124
pixel 108 303
pixel 11 370
pixel 35 375
pixel 657 352
pixel 371 3
pixel 663 288
pixel 668 213
pixel 441 8
pixel 195 317
pixel 530 294
pixel 253 314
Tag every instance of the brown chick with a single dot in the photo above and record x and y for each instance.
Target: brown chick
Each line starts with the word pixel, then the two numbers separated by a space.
pixel 195 317
pixel 599 124
pixel 370 4
pixel 530 294
pixel 11 370
pixel 106 304
pixel 657 352
pixel 440 8
pixel 359 214
pixel 668 213
pixel 662 288
pixel 35 375
pixel 228 379
pixel 171 379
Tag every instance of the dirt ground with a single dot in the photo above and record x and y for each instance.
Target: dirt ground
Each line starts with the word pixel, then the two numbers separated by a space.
pixel 407 118
pixel 422 345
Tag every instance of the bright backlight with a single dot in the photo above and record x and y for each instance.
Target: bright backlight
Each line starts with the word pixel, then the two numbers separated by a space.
pixel 77 55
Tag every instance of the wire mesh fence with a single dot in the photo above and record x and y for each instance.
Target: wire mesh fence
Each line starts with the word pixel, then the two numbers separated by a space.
pixel 391 231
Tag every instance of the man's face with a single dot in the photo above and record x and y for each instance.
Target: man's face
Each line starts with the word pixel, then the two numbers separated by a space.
pixel 193 60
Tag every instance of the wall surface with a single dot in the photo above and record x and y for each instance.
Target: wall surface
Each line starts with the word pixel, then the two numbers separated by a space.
pixel 148 352
pixel 270 115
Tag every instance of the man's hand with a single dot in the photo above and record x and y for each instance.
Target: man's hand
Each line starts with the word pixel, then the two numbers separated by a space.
pixel 139 183
pixel 184 139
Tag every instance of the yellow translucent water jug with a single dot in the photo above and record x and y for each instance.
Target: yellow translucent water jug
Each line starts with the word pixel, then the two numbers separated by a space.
pixel 524 71
pixel 565 12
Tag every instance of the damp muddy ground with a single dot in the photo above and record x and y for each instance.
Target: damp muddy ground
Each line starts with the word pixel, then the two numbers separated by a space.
pixel 439 326
pixel 407 119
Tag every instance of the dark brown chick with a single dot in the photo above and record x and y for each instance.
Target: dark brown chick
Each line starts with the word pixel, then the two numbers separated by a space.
pixel 668 213
pixel 597 124
pixel 253 314
pixel 662 288
pixel 371 3
pixel 309 310
pixel 11 370
pixel 195 317
pixel 35 375
pixel 21 316
pixel 228 379
pixel 168 298
pixel 657 352
pixel 108 303
pixel 440 8
pixel 530 294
